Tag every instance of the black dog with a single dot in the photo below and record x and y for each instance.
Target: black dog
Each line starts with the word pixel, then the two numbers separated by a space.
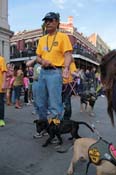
pixel 89 100
pixel 65 126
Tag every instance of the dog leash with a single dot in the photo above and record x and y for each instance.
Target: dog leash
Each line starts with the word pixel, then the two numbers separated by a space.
pixel 96 131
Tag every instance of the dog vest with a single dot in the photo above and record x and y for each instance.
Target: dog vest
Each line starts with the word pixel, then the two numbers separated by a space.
pixel 101 150
pixel 56 121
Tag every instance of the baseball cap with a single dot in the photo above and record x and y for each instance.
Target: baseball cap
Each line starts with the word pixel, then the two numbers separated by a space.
pixel 51 15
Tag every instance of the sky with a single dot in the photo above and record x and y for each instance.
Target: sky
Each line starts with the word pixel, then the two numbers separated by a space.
pixel 89 16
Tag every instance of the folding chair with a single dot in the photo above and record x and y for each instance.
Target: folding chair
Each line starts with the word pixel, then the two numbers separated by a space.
pixel 73 87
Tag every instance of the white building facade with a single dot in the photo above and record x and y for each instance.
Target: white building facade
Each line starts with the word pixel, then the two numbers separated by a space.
pixel 5 32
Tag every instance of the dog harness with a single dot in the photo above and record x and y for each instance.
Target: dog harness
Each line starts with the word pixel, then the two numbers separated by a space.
pixel 101 150
pixel 56 121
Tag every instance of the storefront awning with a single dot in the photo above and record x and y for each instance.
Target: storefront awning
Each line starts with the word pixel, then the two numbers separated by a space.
pixel 85 58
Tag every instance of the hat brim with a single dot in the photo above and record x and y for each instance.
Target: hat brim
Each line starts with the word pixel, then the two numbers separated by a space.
pixel 47 18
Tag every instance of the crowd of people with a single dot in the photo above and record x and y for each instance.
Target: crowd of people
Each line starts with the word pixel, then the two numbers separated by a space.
pixel 16 80
pixel 22 80
pixel 49 81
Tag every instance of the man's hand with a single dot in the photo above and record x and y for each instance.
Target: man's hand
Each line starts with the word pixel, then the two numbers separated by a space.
pixel 3 86
pixel 66 72
pixel 45 63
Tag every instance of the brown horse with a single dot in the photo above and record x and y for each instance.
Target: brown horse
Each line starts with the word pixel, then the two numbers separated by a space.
pixel 108 78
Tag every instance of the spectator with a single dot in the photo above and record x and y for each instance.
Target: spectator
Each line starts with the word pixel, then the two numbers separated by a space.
pixel 36 72
pixel 67 92
pixel 12 89
pixel 30 75
pixel 81 85
pixel 26 88
pixel 93 72
pixel 17 84
pixel 88 80
pixel 9 75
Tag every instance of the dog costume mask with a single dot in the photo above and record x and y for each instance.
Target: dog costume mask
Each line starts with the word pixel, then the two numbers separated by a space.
pixel 101 150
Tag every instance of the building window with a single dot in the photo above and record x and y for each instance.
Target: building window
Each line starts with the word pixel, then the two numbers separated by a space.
pixel 2 48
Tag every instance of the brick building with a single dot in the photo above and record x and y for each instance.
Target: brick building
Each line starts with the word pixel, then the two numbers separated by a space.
pixel 23 44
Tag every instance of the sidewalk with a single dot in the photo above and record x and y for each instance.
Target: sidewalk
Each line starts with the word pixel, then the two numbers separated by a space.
pixel 20 154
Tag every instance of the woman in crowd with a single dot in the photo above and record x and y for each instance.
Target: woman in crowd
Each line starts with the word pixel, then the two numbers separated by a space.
pixel 17 84
pixel 9 75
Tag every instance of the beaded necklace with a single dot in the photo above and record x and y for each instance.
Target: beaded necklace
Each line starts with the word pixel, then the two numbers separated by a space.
pixel 49 49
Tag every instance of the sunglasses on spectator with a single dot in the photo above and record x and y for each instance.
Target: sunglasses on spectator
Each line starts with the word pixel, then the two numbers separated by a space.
pixel 49 20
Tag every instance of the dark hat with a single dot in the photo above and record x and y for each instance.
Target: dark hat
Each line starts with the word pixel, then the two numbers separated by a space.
pixel 51 15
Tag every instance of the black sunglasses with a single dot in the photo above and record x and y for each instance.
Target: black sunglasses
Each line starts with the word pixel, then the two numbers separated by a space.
pixel 49 20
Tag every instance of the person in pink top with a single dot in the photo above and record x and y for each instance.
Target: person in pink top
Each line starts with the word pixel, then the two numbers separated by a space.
pixel 9 75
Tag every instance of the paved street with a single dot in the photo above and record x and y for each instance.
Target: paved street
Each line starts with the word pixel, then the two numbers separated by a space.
pixel 20 154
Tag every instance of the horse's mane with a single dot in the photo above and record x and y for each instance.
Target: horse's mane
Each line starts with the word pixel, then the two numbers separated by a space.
pixel 108 78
